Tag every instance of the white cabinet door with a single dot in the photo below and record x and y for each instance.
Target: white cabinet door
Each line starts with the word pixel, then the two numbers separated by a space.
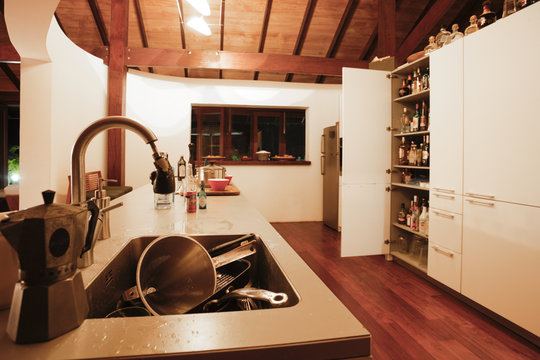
pixel 501 109
pixel 446 118
pixel 366 155
pixel 500 259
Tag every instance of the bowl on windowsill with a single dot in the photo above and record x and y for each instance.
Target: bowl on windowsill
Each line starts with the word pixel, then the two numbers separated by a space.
pixel 218 184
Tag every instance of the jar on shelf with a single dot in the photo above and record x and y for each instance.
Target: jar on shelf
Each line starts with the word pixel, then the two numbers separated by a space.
pixel 455 35
pixel 442 37
pixel 473 26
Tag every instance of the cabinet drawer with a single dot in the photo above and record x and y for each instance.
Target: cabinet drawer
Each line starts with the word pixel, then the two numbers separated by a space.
pixel 445 229
pixel 446 201
pixel 444 265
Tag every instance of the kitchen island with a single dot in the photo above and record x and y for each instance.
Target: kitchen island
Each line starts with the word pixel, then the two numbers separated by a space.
pixel 318 326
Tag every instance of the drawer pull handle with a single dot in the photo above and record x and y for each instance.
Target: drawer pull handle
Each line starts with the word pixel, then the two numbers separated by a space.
pixel 444 190
pixel 445 253
pixel 449 197
pixel 474 202
pixel 487 197
pixel 443 215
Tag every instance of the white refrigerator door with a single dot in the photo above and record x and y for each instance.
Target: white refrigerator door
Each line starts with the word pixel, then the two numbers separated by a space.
pixel 366 157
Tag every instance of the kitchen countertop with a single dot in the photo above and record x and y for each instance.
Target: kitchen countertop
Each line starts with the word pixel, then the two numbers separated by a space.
pixel 319 326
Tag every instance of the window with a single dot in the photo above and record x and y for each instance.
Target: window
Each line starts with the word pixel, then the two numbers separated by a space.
pixel 238 133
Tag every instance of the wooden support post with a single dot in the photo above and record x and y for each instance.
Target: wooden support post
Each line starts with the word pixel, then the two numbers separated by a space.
pixel 116 91
pixel 386 40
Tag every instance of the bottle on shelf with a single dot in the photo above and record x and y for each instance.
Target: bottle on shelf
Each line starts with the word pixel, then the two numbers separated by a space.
pixel 202 197
pixel 409 215
pixel 442 37
pixel 404 89
pixel 418 80
pixel 416 119
pixel 425 152
pixel 402 153
pixel 487 17
pixel 405 120
pixel 473 26
pixel 431 46
pixel 524 3
pixel 419 154
pixel 412 154
pixel 409 83
pixel 455 35
pixel 423 118
pixel 415 214
pixel 425 80
pixel 402 217
pixel 423 219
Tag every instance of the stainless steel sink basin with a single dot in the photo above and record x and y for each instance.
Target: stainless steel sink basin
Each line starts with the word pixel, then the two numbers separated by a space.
pixel 105 291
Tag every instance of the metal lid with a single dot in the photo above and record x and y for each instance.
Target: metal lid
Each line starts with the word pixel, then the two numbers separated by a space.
pixel 48 210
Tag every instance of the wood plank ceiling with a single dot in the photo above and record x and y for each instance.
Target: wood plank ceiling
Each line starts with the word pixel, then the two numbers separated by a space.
pixel 344 30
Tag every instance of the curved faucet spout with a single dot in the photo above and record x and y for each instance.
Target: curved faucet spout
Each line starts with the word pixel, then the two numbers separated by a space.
pixel 78 179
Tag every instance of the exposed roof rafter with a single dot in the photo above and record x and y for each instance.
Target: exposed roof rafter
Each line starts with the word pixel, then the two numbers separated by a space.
pixel 308 15
pixel 96 13
pixel 264 30
pixel 142 28
pixel 221 31
pixel 11 75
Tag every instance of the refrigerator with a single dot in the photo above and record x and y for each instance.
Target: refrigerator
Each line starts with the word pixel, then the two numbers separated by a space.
pixel 330 170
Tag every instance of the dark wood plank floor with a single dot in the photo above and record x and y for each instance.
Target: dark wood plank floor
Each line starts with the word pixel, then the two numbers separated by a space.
pixel 408 317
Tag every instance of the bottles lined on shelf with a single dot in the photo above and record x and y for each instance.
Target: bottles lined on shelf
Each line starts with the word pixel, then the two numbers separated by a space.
pixel 412 154
pixel 418 122
pixel 415 83
pixel 416 217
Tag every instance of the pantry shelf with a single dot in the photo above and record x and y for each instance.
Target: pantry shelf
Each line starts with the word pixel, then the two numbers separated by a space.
pixel 409 259
pixel 415 133
pixel 406 228
pixel 422 95
pixel 415 187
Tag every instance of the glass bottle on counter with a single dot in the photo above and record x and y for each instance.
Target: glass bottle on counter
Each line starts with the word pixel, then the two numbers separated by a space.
pixel 405 120
pixel 487 17
pixel 190 191
pixel 473 26
pixel 202 197
pixel 402 153
pixel 416 119
pixel 181 168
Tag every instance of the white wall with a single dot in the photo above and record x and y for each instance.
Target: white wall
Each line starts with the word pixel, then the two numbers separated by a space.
pixel 281 193
pixel 63 89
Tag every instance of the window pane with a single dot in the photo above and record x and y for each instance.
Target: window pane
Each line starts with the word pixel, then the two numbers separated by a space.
pixel 296 134
pixel 211 127
pixel 268 133
pixel 240 135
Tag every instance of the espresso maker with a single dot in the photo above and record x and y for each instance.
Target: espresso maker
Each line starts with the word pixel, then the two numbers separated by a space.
pixel 49 299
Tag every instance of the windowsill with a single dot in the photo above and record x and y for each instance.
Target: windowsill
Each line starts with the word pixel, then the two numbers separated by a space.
pixel 257 162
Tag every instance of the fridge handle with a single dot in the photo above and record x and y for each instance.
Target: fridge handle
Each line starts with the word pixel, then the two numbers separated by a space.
pixel 322 144
pixel 322 164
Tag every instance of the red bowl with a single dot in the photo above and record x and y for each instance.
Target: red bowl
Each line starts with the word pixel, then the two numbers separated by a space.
pixel 218 184
pixel 228 177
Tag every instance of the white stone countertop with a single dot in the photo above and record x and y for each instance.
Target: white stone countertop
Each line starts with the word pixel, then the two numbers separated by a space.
pixel 319 325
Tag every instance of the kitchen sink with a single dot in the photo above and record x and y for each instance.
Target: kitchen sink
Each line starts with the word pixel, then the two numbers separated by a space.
pixel 105 292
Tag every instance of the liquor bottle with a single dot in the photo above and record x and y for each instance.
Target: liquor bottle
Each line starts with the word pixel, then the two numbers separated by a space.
pixel 412 154
pixel 455 35
pixel 202 197
pixel 422 220
pixel 405 121
pixel 402 217
pixel 409 83
pixel 419 154
pixel 473 26
pixel 190 191
pixel 423 118
pixel 431 46
pixel 414 90
pixel 509 7
pixel 425 80
pixel 181 168
pixel 409 215
pixel 425 152
pixel 418 80
pixel 415 119
pixel 524 3
pixel 415 214
pixel 404 89
pixel 442 37
pixel 487 17
pixel 402 153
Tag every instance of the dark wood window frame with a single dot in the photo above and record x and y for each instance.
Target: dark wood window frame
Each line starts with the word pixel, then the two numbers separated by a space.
pixel 226 129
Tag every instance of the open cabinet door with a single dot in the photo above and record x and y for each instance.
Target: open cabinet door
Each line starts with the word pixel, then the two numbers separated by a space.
pixel 365 203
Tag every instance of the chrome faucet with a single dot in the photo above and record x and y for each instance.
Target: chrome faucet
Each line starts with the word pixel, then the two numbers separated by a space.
pixel 78 178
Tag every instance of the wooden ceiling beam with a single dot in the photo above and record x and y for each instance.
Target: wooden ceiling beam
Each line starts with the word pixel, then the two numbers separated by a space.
pixel 180 5
pixel 211 59
pixel 264 30
pixel 422 30
pixel 306 20
pixel 344 22
pixel 221 30
pixel 386 37
pixel 142 28
pixel 11 75
pixel 96 13
pixel 59 23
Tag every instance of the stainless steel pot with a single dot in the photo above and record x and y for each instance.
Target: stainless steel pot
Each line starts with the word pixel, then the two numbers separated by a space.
pixel 211 171
pixel 175 273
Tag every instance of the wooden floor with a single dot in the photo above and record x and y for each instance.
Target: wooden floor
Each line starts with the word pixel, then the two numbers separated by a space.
pixel 408 317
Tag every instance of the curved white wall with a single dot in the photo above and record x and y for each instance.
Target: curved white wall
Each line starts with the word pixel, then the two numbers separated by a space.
pixel 281 193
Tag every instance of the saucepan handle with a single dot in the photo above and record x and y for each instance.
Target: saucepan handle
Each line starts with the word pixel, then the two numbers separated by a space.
pixel 245 249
